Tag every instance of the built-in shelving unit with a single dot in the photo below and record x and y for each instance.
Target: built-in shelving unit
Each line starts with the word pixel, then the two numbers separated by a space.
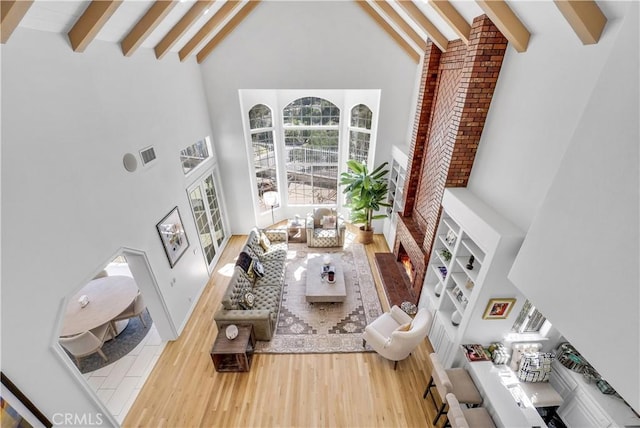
pixel 397 177
pixel 396 196
pixel 471 256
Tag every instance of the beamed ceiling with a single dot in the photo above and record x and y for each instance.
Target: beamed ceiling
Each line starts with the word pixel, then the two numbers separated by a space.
pixel 194 28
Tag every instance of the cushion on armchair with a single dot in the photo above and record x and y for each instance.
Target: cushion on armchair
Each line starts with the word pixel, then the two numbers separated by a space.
pixel 535 367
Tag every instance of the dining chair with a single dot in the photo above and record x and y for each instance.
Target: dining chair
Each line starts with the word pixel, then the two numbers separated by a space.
pixel 459 417
pixel 455 380
pixel 135 309
pixel 87 343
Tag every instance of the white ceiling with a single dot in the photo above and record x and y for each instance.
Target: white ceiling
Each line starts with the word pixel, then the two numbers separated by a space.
pixel 60 16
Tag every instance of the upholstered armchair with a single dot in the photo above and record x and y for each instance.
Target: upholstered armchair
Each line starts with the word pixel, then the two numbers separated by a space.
pixel 325 228
pixel 394 335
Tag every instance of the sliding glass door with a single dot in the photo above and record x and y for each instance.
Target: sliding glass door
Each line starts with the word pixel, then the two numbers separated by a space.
pixel 208 217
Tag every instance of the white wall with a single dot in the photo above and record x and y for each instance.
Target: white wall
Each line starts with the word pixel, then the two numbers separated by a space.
pixel 539 99
pixel 559 157
pixel 67 202
pixel 303 45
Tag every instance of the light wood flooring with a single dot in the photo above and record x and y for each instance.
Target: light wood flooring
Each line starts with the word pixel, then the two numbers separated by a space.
pixel 337 390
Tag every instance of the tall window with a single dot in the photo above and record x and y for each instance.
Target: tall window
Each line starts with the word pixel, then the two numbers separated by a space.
pixel 360 133
pixel 264 154
pixel 311 139
pixel 530 320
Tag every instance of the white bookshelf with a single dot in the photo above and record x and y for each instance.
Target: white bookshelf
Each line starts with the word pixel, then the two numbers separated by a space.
pixel 468 228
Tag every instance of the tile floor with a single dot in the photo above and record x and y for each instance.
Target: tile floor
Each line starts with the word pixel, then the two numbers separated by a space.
pixel 118 384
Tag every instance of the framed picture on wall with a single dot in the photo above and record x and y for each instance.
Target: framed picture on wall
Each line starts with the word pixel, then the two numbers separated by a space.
pixel 173 237
pixel 498 309
pixel 16 410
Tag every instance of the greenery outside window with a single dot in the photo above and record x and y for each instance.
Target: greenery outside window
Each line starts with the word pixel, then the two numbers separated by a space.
pixel 194 155
pixel 264 153
pixel 530 320
pixel 311 140
pixel 360 133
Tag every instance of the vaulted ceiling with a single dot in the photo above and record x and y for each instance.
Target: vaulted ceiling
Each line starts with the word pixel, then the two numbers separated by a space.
pixel 190 27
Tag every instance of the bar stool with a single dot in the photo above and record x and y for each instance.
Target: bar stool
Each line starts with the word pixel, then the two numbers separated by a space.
pixel 456 381
pixel 459 417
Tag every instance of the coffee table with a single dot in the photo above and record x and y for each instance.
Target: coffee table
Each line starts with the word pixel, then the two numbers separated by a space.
pixel 318 288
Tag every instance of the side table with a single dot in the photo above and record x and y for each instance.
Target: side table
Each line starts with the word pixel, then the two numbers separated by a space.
pixel 234 355
pixel 297 231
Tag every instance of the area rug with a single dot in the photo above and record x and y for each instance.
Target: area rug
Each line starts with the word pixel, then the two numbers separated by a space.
pixel 117 348
pixel 304 327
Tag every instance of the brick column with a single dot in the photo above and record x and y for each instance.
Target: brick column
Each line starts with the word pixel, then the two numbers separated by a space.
pixel 418 144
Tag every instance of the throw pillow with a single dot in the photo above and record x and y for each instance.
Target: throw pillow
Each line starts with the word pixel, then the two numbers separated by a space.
pixel 535 367
pixel 247 300
pixel 244 261
pixel 264 242
pixel 251 271
pixel 258 268
pixel 329 222
pixel 404 327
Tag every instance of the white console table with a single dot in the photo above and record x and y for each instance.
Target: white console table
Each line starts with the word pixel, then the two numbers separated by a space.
pixel 496 384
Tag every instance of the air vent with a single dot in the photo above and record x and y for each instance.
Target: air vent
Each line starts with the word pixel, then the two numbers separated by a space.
pixel 147 155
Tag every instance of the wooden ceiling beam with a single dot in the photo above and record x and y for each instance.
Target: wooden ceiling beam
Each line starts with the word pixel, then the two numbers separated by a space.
pixel 178 30
pixel 389 30
pixel 507 22
pixel 91 22
pixel 12 13
pixel 145 26
pixel 208 28
pixel 226 30
pixel 585 17
pixel 453 18
pixel 400 22
pixel 432 31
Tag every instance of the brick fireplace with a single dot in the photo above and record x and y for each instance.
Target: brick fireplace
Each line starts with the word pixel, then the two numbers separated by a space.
pixel 455 94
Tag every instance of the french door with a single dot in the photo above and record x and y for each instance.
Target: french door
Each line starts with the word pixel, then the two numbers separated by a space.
pixel 208 216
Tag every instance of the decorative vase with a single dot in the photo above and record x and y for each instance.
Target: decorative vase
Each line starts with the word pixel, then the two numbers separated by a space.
pixel 438 289
pixel 470 263
pixel 456 317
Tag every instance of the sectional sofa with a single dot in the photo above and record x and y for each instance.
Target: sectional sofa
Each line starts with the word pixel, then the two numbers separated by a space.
pixel 255 288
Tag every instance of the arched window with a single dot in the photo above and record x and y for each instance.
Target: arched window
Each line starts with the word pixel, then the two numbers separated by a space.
pixel 311 139
pixel 360 133
pixel 264 154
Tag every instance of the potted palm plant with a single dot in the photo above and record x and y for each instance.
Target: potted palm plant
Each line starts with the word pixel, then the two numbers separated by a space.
pixel 366 193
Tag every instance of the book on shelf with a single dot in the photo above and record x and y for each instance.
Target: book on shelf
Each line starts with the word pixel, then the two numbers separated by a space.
pixel 475 352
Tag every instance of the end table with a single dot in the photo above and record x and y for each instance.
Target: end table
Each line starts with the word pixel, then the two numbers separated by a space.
pixel 234 355
pixel 297 231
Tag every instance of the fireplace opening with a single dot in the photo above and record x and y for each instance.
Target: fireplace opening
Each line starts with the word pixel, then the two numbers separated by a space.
pixel 405 261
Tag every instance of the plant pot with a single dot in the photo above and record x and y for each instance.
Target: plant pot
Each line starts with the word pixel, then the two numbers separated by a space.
pixel 364 236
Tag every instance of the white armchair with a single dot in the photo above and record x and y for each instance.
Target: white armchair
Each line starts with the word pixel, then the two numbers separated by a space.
pixel 325 228
pixel 394 334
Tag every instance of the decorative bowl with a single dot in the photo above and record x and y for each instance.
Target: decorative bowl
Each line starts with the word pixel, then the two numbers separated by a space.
pixel 231 331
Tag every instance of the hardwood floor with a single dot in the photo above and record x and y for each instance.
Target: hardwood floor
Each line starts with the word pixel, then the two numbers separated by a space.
pixel 345 390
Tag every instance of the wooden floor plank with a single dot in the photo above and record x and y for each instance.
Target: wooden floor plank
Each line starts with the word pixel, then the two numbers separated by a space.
pixel 347 390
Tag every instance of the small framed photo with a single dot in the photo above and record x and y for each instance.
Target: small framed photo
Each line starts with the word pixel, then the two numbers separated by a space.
pixel 498 309
pixel 173 237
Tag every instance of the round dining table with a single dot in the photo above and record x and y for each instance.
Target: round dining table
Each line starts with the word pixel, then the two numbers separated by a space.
pixel 107 296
